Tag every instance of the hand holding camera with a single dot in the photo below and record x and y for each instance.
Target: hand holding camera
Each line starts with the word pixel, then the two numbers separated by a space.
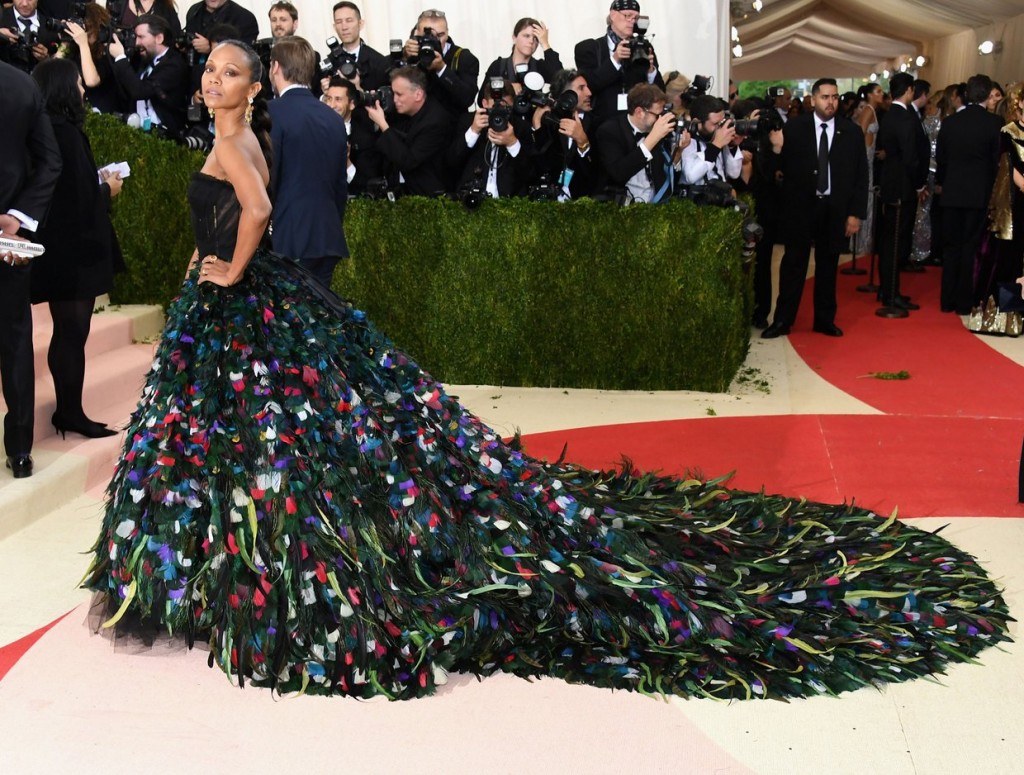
pixel 725 133
pixel 200 44
pixel 78 34
pixel 623 52
pixel 480 121
pixel 663 127
pixel 116 48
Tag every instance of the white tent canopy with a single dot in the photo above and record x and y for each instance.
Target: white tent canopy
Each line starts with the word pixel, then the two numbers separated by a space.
pixel 849 38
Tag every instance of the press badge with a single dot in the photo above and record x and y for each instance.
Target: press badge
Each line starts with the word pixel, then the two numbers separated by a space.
pixel 566 178
pixel 622 103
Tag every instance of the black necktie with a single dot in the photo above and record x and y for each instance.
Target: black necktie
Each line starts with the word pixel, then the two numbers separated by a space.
pixel 823 160
pixel 27 24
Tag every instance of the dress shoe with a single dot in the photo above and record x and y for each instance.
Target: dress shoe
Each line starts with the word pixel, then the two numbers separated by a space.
pixel 828 329
pixel 775 330
pixel 760 322
pixel 901 302
pixel 20 465
pixel 83 426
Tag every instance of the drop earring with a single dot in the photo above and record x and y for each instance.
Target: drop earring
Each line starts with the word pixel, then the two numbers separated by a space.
pixel 248 112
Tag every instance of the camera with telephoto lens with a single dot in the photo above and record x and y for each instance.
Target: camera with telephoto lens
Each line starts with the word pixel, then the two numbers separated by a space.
pixel 769 120
pixel 262 48
pixel 641 52
pixel 562 107
pixel 430 45
pixel 384 96
pixel 184 42
pixel 20 51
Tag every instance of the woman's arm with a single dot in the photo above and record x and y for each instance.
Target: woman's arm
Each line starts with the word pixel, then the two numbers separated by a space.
pixel 250 189
pixel 90 75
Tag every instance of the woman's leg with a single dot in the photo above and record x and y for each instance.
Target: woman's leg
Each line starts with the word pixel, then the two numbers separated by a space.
pixel 66 356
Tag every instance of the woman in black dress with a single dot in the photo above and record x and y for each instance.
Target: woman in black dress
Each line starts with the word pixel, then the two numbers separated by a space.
pixel 82 253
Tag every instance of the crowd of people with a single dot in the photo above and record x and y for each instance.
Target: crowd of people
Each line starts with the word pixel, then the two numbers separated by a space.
pixel 907 175
pixel 939 185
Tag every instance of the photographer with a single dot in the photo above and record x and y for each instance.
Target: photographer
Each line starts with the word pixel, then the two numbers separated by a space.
pixel 87 46
pixel 451 71
pixel 527 36
pixel 362 162
pixel 27 36
pixel 486 149
pixel 413 149
pixel 205 14
pixel 159 90
pixel 614 63
pixel 371 67
pixel 714 153
pixel 766 185
pixel 640 150
pixel 561 141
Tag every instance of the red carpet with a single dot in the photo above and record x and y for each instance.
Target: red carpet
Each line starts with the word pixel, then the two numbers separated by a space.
pixel 948 445
pixel 953 373
pixel 12 652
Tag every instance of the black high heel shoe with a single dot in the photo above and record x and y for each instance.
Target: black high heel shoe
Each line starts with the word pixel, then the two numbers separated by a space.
pixel 84 427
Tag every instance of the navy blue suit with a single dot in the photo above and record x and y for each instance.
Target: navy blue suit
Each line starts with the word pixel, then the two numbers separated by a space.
pixel 308 183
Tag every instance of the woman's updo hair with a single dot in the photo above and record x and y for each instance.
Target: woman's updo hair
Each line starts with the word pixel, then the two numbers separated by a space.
pixel 58 81
pixel 865 91
pixel 260 123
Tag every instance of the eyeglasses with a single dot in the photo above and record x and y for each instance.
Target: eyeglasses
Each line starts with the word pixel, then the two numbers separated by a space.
pixel 432 13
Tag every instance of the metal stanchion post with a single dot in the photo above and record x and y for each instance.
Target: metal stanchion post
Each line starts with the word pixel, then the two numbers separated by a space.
pixel 894 269
pixel 870 286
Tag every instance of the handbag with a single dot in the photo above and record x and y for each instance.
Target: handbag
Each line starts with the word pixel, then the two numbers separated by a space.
pixel 989 319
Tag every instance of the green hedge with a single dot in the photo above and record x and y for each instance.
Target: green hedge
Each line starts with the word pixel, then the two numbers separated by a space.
pixel 151 213
pixel 581 294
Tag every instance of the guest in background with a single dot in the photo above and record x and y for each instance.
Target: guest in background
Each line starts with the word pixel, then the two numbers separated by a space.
pixel 865 116
pixel 527 36
pixel 165 9
pixel 82 253
pixel 94 60
pixel 1007 205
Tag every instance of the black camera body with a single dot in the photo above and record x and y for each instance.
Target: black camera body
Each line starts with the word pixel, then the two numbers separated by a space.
pixel 473 192
pixel 499 116
pixel 699 86
pixel 641 52
pixel 430 45
pixel 718 193
pixel 339 61
pixel 545 190
pixel 564 106
pixel 383 96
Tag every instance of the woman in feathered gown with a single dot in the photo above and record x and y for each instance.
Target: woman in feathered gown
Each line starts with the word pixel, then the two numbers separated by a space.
pixel 297 490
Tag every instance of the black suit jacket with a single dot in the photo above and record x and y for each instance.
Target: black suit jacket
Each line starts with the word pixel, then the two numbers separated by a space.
pixel 455 89
pixel 607 82
pixel 618 150
pixel 904 169
pixel 415 148
pixel 363 153
pixel 308 183
pixel 553 154
pixel 373 67
pixel 513 171
pixel 31 163
pixel 48 38
pixel 166 87
pixel 848 169
pixel 966 157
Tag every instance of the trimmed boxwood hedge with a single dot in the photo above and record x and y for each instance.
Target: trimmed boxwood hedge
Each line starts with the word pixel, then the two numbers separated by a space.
pixel 580 294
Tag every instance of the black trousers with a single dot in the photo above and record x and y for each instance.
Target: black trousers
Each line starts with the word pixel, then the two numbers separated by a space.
pixel 322 268
pixel 763 269
pixel 895 233
pixel 17 367
pixel 962 228
pixel 793 270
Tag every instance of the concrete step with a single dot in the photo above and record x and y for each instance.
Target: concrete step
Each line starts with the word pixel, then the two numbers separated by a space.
pixel 67 468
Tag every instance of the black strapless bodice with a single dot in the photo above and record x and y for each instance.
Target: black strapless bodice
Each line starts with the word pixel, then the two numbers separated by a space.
pixel 215 210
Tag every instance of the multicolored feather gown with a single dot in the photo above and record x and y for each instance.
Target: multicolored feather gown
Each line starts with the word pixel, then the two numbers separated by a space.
pixel 298 490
